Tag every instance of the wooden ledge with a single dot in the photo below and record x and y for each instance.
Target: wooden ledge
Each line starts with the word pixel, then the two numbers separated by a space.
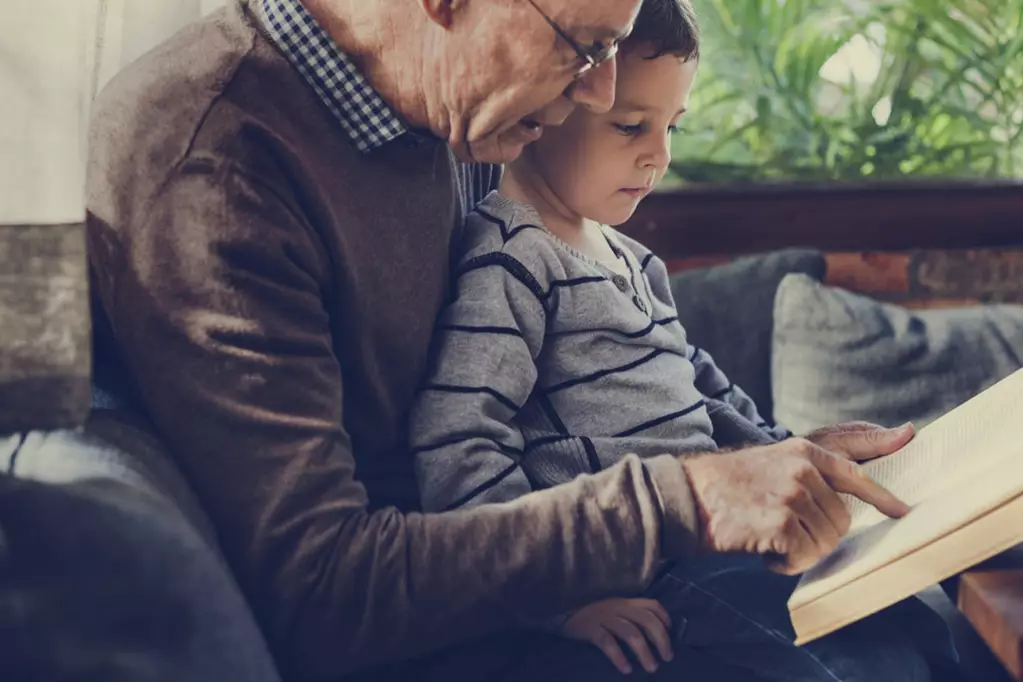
pixel 833 217
pixel 991 598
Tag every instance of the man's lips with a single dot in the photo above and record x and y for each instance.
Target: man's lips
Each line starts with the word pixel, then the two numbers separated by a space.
pixel 529 129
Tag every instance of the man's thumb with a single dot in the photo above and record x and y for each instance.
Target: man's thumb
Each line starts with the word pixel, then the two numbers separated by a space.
pixel 860 445
pixel 880 442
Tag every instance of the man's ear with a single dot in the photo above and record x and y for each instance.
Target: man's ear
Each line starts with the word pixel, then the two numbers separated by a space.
pixel 442 12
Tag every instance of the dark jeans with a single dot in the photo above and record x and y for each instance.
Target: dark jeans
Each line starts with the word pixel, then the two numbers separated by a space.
pixel 730 624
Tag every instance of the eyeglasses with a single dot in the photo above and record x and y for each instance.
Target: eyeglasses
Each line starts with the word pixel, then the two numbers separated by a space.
pixel 592 56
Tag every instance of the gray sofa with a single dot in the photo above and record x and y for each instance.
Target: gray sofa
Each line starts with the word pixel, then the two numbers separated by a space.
pixel 110 571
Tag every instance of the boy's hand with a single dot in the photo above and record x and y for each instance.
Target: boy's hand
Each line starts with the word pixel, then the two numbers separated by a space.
pixel 636 622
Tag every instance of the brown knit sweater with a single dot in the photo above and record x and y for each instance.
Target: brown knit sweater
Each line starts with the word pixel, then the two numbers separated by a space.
pixel 272 292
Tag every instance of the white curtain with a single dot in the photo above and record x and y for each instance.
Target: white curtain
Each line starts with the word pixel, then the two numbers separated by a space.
pixel 55 56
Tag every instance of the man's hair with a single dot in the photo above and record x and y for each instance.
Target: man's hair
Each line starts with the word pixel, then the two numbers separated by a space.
pixel 666 27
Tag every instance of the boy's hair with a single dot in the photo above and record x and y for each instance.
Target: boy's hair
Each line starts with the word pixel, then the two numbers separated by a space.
pixel 668 27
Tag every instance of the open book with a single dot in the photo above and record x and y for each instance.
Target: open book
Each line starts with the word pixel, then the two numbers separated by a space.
pixel 963 477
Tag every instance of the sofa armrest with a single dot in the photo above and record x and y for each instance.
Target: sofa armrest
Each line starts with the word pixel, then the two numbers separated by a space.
pixel 109 570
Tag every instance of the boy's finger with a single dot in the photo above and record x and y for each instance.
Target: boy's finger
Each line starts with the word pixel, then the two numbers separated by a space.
pixel 628 632
pixel 606 642
pixel 656 632
pixel 657 609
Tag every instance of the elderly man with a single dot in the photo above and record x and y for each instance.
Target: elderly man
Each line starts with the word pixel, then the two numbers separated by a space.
pixel 273 195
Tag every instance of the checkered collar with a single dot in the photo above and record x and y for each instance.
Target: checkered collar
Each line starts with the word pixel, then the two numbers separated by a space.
pixel 367 119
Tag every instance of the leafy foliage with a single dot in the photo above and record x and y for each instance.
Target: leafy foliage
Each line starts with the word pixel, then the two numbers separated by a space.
pixel 855 90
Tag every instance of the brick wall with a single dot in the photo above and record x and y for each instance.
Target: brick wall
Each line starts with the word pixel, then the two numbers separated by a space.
pixel 934 244
pixel 917 279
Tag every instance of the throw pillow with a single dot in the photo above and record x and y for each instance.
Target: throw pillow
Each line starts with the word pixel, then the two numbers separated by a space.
pixel 726 311
pixel 839 356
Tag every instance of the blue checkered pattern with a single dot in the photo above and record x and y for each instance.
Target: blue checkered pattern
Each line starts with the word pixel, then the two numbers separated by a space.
pixel 362 113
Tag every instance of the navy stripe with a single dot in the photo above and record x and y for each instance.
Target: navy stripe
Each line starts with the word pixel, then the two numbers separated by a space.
pixel 723 392
pixel 514 268
pixel 660 420
pixel 564 283
pixel 629 335
pixel 552 415
pixel 504 400
pixel 506 450
pixel 591 455
pixel 646 261
pixel 503 226
pixel 469 329
pixel 522 274
pixel 546 440
pixel 483 487
pixel 606 372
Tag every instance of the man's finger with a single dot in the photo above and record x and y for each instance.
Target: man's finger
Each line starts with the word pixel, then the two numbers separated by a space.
pixel 863 443
pixel 606 642
pixel 846 477
pixel 833 507
pixel 796 551
pixel 790 564
pixel 817 523
pixel 845 427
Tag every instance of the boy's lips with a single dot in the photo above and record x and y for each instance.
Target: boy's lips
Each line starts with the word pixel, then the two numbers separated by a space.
pixel 636 192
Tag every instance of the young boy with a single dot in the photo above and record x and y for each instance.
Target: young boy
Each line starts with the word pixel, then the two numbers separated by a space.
pixel 562 352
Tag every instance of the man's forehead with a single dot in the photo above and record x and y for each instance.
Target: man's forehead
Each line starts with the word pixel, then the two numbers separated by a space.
pixel 596 19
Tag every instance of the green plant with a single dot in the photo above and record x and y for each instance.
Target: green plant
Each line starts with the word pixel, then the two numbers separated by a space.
pixel 855 90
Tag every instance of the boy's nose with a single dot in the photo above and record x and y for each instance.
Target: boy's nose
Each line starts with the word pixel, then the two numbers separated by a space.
pixel 595 90
pixel 658 155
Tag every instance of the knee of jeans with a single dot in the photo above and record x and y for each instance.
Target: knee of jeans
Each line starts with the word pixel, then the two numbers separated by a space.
pixel 871 664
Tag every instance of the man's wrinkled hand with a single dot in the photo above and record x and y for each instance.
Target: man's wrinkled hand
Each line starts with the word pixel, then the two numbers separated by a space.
pixel 781 501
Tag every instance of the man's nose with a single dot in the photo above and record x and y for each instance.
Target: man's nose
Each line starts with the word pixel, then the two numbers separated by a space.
pixel 595 90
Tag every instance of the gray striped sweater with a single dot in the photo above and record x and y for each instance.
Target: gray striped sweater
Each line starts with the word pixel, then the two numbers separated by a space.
pixel 548 365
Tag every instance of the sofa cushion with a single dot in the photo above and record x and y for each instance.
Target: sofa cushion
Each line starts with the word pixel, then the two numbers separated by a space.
pixel 107 570
pixel 726 310
pixel 840 356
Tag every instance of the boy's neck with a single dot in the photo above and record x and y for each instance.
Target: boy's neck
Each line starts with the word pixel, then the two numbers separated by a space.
pixel 582 234
pixel 530 189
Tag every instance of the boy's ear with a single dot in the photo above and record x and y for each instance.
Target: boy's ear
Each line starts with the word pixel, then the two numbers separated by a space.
pixel 441 12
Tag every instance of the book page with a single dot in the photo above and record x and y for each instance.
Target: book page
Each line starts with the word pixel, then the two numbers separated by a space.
pixel 976 436
pixel 880 544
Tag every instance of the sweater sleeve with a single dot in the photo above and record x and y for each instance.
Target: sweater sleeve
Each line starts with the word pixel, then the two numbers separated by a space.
pixel 714 384
pixel 217 304
pixel 710 380
pixel 468 450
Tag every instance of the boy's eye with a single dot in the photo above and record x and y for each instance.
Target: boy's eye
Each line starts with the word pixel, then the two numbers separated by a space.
pixel 628 130
pixel 674 130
